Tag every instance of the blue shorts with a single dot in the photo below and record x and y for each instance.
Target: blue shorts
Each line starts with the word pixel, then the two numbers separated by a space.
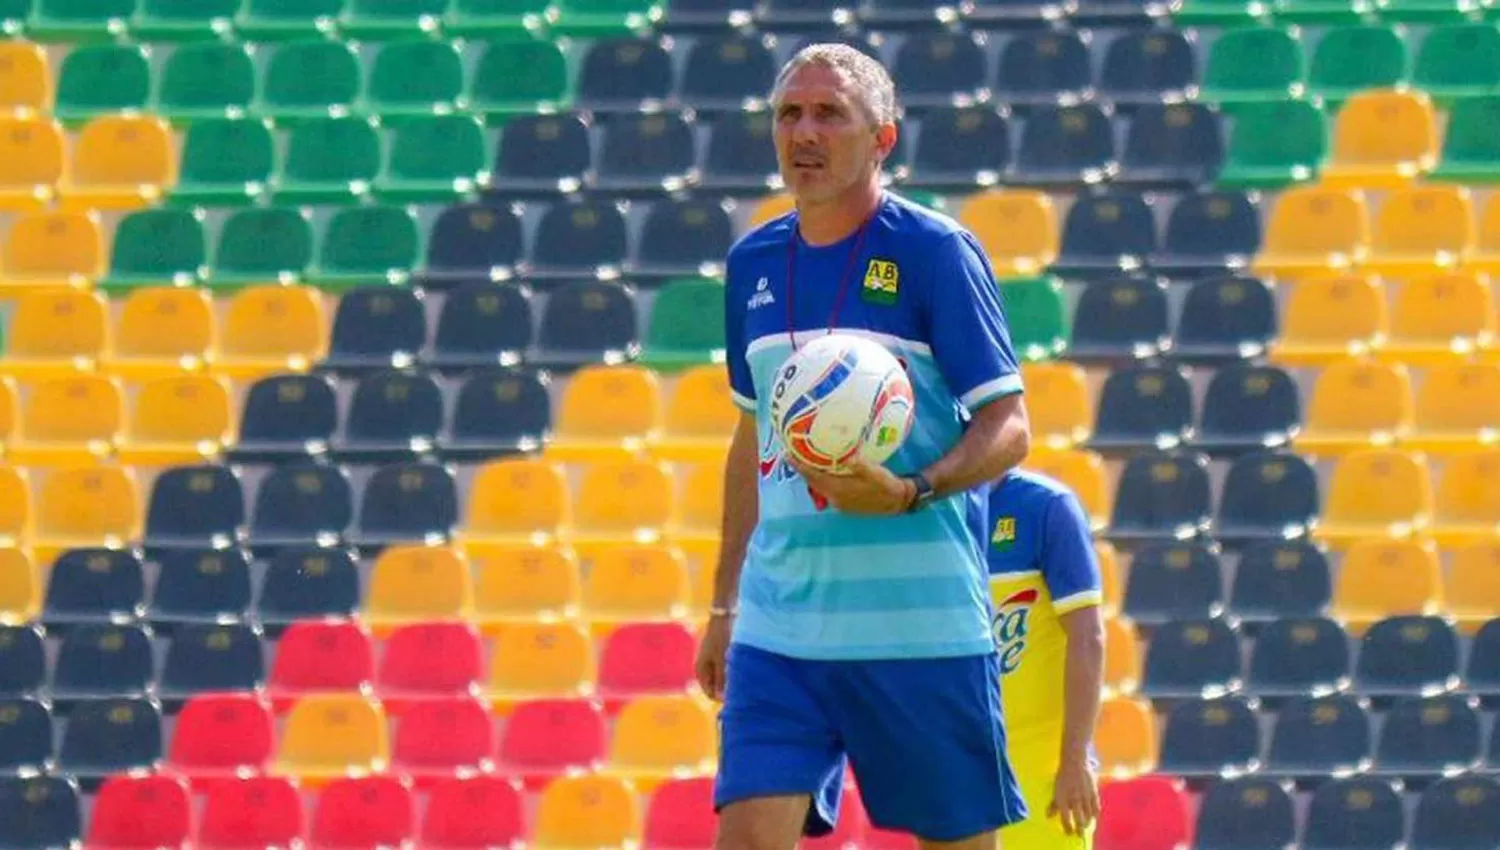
pixel 925 739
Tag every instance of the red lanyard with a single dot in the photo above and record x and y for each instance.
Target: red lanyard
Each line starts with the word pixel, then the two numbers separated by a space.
pixel 838 299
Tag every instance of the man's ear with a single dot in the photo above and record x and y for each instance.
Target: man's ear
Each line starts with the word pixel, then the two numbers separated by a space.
pixel 885 139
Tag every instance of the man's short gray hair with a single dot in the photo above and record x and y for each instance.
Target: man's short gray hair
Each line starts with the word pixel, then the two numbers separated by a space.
pixel 873 87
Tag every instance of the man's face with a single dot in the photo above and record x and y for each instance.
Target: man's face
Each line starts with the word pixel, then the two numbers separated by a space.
pixel 825 143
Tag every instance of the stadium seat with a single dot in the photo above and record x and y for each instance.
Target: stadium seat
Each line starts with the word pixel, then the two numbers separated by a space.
pixel 1355 404
pixel 1422 229
pixel 482 324
pixel 217 736
pixel 1142 407
pixel 1383 578
pixel 607 413
pixel 722 71
pixel 433 158
pixel 195 506
pixel 1299 654
pixel 548 738
pixel 641 658
pixel 302 583
pixel 472 242
pixel 203 586
pixel 119 162
pixel 1314 229
pixel 1059 405
pixel 1083 473
pixel 1315 737
pixel 392 416
pixel 308 80
pixel 1248 407
pixel 683 239
pixel 333 735
pixel 86 506
pixel 24 671
pixel 208 81
pixel 141 811
pixel 623 74
pixel 99 661
pixel 1275 144
pixel 1353 58
pixel 212 658
pixel 1467 505
pixel 25 737
pixel 634 583
pixel 686 327
pixel 1173 582
pixel 300 504
pixel 1119 320
pixel 680 814
pixel 1382 139
pixel 442 737
pixel 588 322
pixel 1122 657
pixel 1456 812
pixel 389 20
pixel 1125 738
pixel 1036 314
pixel 411 584
pixel 473 811
pixel 9 414
pixel 1276 579
pixel 20 588
pixel 648 154
pixel 1407 656
pixel 1188 658
pixel 1451 61
pixel 1376 493
pixel 18 515
pixel 430 660
pixel 498 411
pixel 622 501
pixel 659 737
pixel 525 583
pixel 31 149
pixel 321 657
pixel 162 332
pixel 100 79
pixel 1328 319
pixel 1470 152
pixel 1359 810
pixel 579 239
pixel 1437 319
pixel 1426 737
pixel 1210 738
pixel 182 20
pixel 1105 236
pixel 740 158
pixel 39 811
pixel 272 328
pixel 286 417
pixel 106 737
pixel 515 501
pixel 1472 590
pixel 939 68
pixel 537 660
pixel 94 587
pixel 587 811
pixel 1018 229
pixel 25 77
pixel 1174 145
pixel 1142 813
pixel 368 811
pixel 157 246
pixel 262 244
pixel 1039 68
pixel 55 334
pixel 329 160
pixel 51 249
pixel 1065 146
pixel 948 155
pixel 517 78
pixel 260 811
pixel 185 419
pixel 366 245
pixel 53 21
pixel 406 502
pixel 1254 65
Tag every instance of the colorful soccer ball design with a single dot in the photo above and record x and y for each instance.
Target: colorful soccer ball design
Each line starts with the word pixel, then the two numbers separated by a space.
pixel 839 397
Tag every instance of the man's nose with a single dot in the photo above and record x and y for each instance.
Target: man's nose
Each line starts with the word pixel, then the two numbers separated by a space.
pixel 805 130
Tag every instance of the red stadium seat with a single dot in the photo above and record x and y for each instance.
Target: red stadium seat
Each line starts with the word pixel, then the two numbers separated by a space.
pixel 1145 813
pixel 681 815
pixel 141 812
pixel 438 738
pixel 370 812
pixel 252 814
pixel 645 658
pixel 320 656
pixel 475 813
pixel 428 660
pixel 545 738
pixel 220 735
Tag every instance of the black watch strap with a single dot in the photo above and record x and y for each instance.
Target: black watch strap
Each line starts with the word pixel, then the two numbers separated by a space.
pixel 924 492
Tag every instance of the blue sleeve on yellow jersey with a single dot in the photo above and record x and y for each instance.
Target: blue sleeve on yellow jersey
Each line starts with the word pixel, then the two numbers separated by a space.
pixel 970 340
pixel 741 384
pixel 1070 567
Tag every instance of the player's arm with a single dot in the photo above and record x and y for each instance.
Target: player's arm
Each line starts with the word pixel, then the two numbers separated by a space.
pixel 996 441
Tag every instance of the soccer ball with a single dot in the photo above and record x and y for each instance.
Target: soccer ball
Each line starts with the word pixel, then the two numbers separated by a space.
pixel 840 397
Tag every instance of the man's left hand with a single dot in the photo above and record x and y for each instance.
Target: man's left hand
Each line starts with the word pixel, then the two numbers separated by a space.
pixel 1075 797
pixel 864 488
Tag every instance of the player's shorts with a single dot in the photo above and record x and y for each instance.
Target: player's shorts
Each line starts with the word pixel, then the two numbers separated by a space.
pixel 925 738
pixel 1037 777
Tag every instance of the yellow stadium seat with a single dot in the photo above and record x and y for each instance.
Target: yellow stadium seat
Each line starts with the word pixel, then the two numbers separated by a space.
pixel 414 584
pixel 25 79
pixel 702 592
pixel 48 250
pixel 70 420
pixel 1458 407
pixel 86 506
pixel 1473 586
pixel 1382 140
pixel 1439 318
pixel 1058 403
pixel 1110 583
pixel 1384 578
pixel 273 329
pixel 635 583
pixel 1016 227
pixel 1357 403
pixel 16 506
pixel 770 207
pixel 1083 472
pixel 607 412
pixel 1422 228
pixel 700 417
pixel 541 661
pixel 120 162
pixel 1122 657
pixel 330 736
pixel 163 331
pixel 1376 493
pixel 10 412
pixel 20 588
pixel 1313 230
pixel 622 501
pixel 1486 257
pixel 700 516
pixel 1125 738
pixel 663 736
pixel 1468 499
pixel 524 583
pixel 1329 319
pixel 588 813
pixel 31 162
pixel 179 420
pixel 56 333
pixel 516 500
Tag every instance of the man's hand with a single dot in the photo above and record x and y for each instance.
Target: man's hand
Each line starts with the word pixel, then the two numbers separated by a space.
pixel 865 488
pixel 712 665
pixel 1075 796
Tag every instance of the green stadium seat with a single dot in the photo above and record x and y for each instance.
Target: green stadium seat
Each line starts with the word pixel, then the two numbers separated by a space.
pixel 1038 320
pixel 262 245
pixel 497 18
pixel 604 18
pixel 1275 144
pixel 1456 60
pixel 309 79
pixel 329 161
pixel 414 78
pixel 687 325
pixel 1222 13
pixel 1254 65
pixel 1349 59
pixel 1471 147
pixel 157 247
pixel 225 162
pixel 381 20
pixel 519 78
pixel 101 78
pixel 1323 12
pixel 205 81
pixel 439 158
pixel 286 20
pixel 79 21
pixel 1429 11
pixel 184 20
pixel 13 16
pixel 365 246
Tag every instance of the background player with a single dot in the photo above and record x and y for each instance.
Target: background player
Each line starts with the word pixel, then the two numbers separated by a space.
pixel 862 629
pixel 1048 625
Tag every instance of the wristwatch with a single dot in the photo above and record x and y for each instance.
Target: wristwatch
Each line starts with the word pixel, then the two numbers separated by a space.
pixel 923 495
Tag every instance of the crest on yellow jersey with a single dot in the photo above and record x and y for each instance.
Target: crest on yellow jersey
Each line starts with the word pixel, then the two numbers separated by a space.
pixel 882 282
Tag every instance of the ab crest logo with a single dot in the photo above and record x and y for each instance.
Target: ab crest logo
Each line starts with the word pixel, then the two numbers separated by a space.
pixel 882 282
pixel 1011 627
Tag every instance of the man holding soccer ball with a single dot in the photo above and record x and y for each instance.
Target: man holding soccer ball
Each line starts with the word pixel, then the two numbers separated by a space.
pixel 851 618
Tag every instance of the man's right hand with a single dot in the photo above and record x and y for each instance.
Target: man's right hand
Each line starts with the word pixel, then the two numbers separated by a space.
pixel 712 665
